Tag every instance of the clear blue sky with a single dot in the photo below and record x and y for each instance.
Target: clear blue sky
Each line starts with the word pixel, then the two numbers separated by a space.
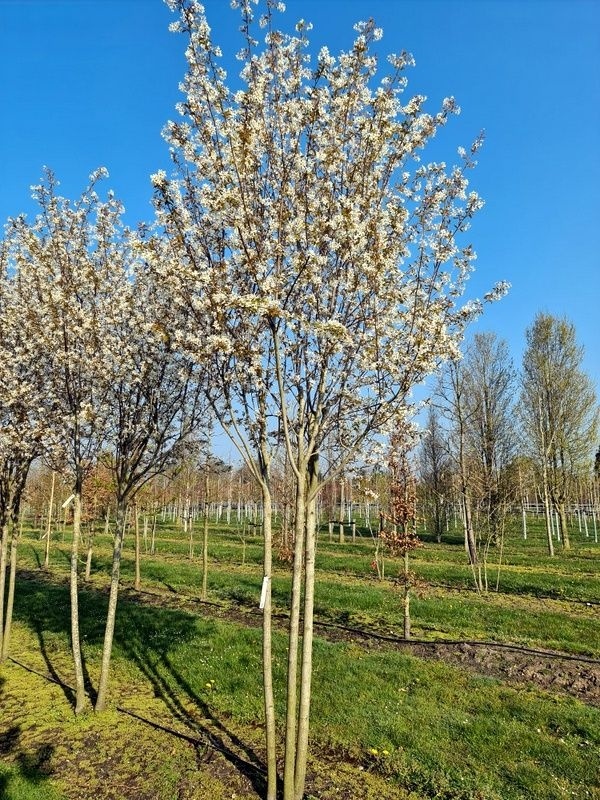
pixel 85 83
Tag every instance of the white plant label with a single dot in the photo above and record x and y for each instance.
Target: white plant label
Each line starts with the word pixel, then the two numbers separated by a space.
pixel 263 594
pixel 67 501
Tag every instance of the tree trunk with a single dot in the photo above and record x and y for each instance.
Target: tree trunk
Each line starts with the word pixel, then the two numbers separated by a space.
pixel 547 512
pixel 205 540
pixel 563 524
pixel 138 581
pixel 269 701
pixel 3 560
pixel 11 592
pixel 90 551
pixel 406 597
pixel 49 525
pixel 75 643
pixel 307 636
pixel 470 543
pixel 111 613
pixel 153 535
pixel 442 521
pixel 291 718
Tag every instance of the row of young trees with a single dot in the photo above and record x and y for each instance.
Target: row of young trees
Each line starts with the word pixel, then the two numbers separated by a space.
pixel 84 371
pixel 498 435
pixel 304 272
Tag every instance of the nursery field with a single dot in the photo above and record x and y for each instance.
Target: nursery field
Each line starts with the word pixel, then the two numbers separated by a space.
pixel 496 696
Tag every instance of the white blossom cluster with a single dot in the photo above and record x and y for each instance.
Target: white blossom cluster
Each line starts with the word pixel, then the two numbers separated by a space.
pixel 322 262
pixel 86 363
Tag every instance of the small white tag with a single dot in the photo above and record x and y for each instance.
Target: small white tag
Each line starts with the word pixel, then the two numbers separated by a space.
pixel 263 594
pixel 67 501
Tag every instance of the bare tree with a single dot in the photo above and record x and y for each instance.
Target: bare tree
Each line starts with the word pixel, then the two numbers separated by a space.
pixel 491 383
pixel 452 399
pixel 435 470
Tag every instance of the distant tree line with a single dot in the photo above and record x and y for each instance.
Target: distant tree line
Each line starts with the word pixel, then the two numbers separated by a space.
pixel 496 438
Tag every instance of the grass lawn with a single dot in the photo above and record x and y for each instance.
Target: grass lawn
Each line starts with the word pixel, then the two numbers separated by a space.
pixel 185 717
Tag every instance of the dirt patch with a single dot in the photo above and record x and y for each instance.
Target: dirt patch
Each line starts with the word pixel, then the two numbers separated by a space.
pixel 551 672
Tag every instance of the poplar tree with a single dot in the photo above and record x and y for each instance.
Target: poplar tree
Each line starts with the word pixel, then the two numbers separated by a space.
pixel 559 413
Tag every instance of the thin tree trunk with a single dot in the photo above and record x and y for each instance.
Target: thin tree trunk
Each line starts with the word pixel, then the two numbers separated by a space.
pixel 49 524
pixel 547 513
pixel 470 543
pixel 153 536
pixel 138 581
pixel 205 540
pixel 90 551
pixel 307 637
pixel 11 592
pixel 3 560
pixel 406 597
pixel 500 557
pixel 75 643
pixel 112 605
pixel 269 701
pixel 291 719
pixel 563 525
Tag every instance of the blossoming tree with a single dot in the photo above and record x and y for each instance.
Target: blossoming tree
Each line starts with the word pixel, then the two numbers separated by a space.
pixel 64 264
pixel 322 263
pixel 24 416
pixel 156 400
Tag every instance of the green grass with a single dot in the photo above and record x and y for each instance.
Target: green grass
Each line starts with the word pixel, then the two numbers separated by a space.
pixel 446 733
pixel 513 744
pixel 541 601
pixel 26 781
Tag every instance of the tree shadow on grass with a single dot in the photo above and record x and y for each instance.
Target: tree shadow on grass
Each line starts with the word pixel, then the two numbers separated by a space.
pixel 68 691
pixel 36 556
pixel 147 645
pixel 31 766
pixel 45 607
pixel 145 635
